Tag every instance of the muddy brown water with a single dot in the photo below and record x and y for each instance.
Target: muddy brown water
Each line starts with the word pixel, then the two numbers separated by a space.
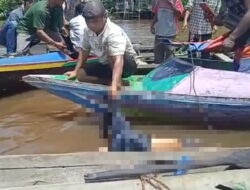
pixel 37 122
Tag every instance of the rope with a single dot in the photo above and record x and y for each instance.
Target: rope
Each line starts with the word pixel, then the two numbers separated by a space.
pixel 192 83
pixel 154 182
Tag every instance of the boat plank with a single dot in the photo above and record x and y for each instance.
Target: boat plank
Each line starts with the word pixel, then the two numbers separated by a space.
pixel 205 181
pixel 101 158
pixel 223 57
pixel 45 176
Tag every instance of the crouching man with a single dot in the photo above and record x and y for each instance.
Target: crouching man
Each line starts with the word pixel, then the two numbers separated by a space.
pixel 41 22
pixel 112 47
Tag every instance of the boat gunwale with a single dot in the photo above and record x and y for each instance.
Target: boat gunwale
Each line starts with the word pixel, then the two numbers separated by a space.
pixel 160 96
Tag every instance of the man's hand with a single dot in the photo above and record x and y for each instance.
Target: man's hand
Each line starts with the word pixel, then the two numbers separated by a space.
pixel 185 25
pixel 215 29
pixel 228 44
pixel 61 46
pixel 71 74
pixel 114 92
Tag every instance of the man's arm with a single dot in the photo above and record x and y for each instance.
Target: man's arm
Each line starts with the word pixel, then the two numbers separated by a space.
pixel 244 24
pixel 185 22
pixel 44 37
pixel 82 58
pixel 117 72
pixel 177 8
pixel 188 11
pixel 216 20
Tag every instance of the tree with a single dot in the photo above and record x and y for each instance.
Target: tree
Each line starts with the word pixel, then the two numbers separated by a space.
pixel 7 5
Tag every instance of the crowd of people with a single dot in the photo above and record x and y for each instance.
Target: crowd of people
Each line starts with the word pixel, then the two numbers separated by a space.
pixel 91 32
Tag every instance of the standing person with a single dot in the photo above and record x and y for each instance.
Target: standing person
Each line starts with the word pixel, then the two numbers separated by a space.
pixel 235 15
pixel 8 32
pixel 165 25
pixel 77 25
pixel 41 22
pixel 112 47
pixel 199 28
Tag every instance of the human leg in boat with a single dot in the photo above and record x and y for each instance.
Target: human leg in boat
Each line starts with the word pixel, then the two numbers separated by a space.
pixel 161 50
pixel 100 73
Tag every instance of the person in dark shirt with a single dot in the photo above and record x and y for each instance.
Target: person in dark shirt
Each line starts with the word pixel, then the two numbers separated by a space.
pixel 235 15
pixel 8 31
pixel 42 21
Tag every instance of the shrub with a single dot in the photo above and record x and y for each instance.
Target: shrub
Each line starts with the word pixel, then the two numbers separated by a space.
pixel 6 6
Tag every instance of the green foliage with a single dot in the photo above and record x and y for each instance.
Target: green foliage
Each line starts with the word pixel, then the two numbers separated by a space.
pixel 108 4
pixel 184 2
pixel 6 6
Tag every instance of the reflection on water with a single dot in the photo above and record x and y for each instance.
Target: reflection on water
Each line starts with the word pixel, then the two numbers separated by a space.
pixel 138 31
pixel 38 122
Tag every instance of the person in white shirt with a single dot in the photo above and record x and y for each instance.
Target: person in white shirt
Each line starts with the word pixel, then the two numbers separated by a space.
pixel 74 32
pixel 112 47
pixel 77 25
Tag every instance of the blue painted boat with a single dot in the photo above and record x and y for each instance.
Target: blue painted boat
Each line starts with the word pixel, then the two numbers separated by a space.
pixel 175 88
pixel 13 69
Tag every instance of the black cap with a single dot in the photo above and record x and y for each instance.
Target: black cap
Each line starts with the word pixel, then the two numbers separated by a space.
pixel 93 9
pixel 79 8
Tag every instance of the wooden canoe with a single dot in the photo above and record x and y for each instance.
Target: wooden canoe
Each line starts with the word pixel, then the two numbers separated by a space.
pixel 187 92
pixel 13 69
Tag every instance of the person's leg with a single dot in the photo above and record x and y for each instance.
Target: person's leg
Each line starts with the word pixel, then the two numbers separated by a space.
pixel 193 38
pixel 168 49
pixel 204 37
pixel 25 42
pixel 11 36
pixel 130 65
pixel 70 46
pixel 3 35
pixel 159 48
pixel 102 73
pixel 95 73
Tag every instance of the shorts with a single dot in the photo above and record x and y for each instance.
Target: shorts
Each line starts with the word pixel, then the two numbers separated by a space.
pixel 101 70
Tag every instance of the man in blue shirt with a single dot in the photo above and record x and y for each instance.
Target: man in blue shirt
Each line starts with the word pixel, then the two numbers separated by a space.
pixel 8 30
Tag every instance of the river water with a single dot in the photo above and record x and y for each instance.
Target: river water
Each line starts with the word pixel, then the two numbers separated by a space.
pixel 38 122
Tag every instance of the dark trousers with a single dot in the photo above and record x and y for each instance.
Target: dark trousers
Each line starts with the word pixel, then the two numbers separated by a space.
pixel 198 38
pixel 161 50
pixel 73 52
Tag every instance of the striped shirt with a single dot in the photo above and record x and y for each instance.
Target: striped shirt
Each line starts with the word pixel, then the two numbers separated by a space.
pixel 197 23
